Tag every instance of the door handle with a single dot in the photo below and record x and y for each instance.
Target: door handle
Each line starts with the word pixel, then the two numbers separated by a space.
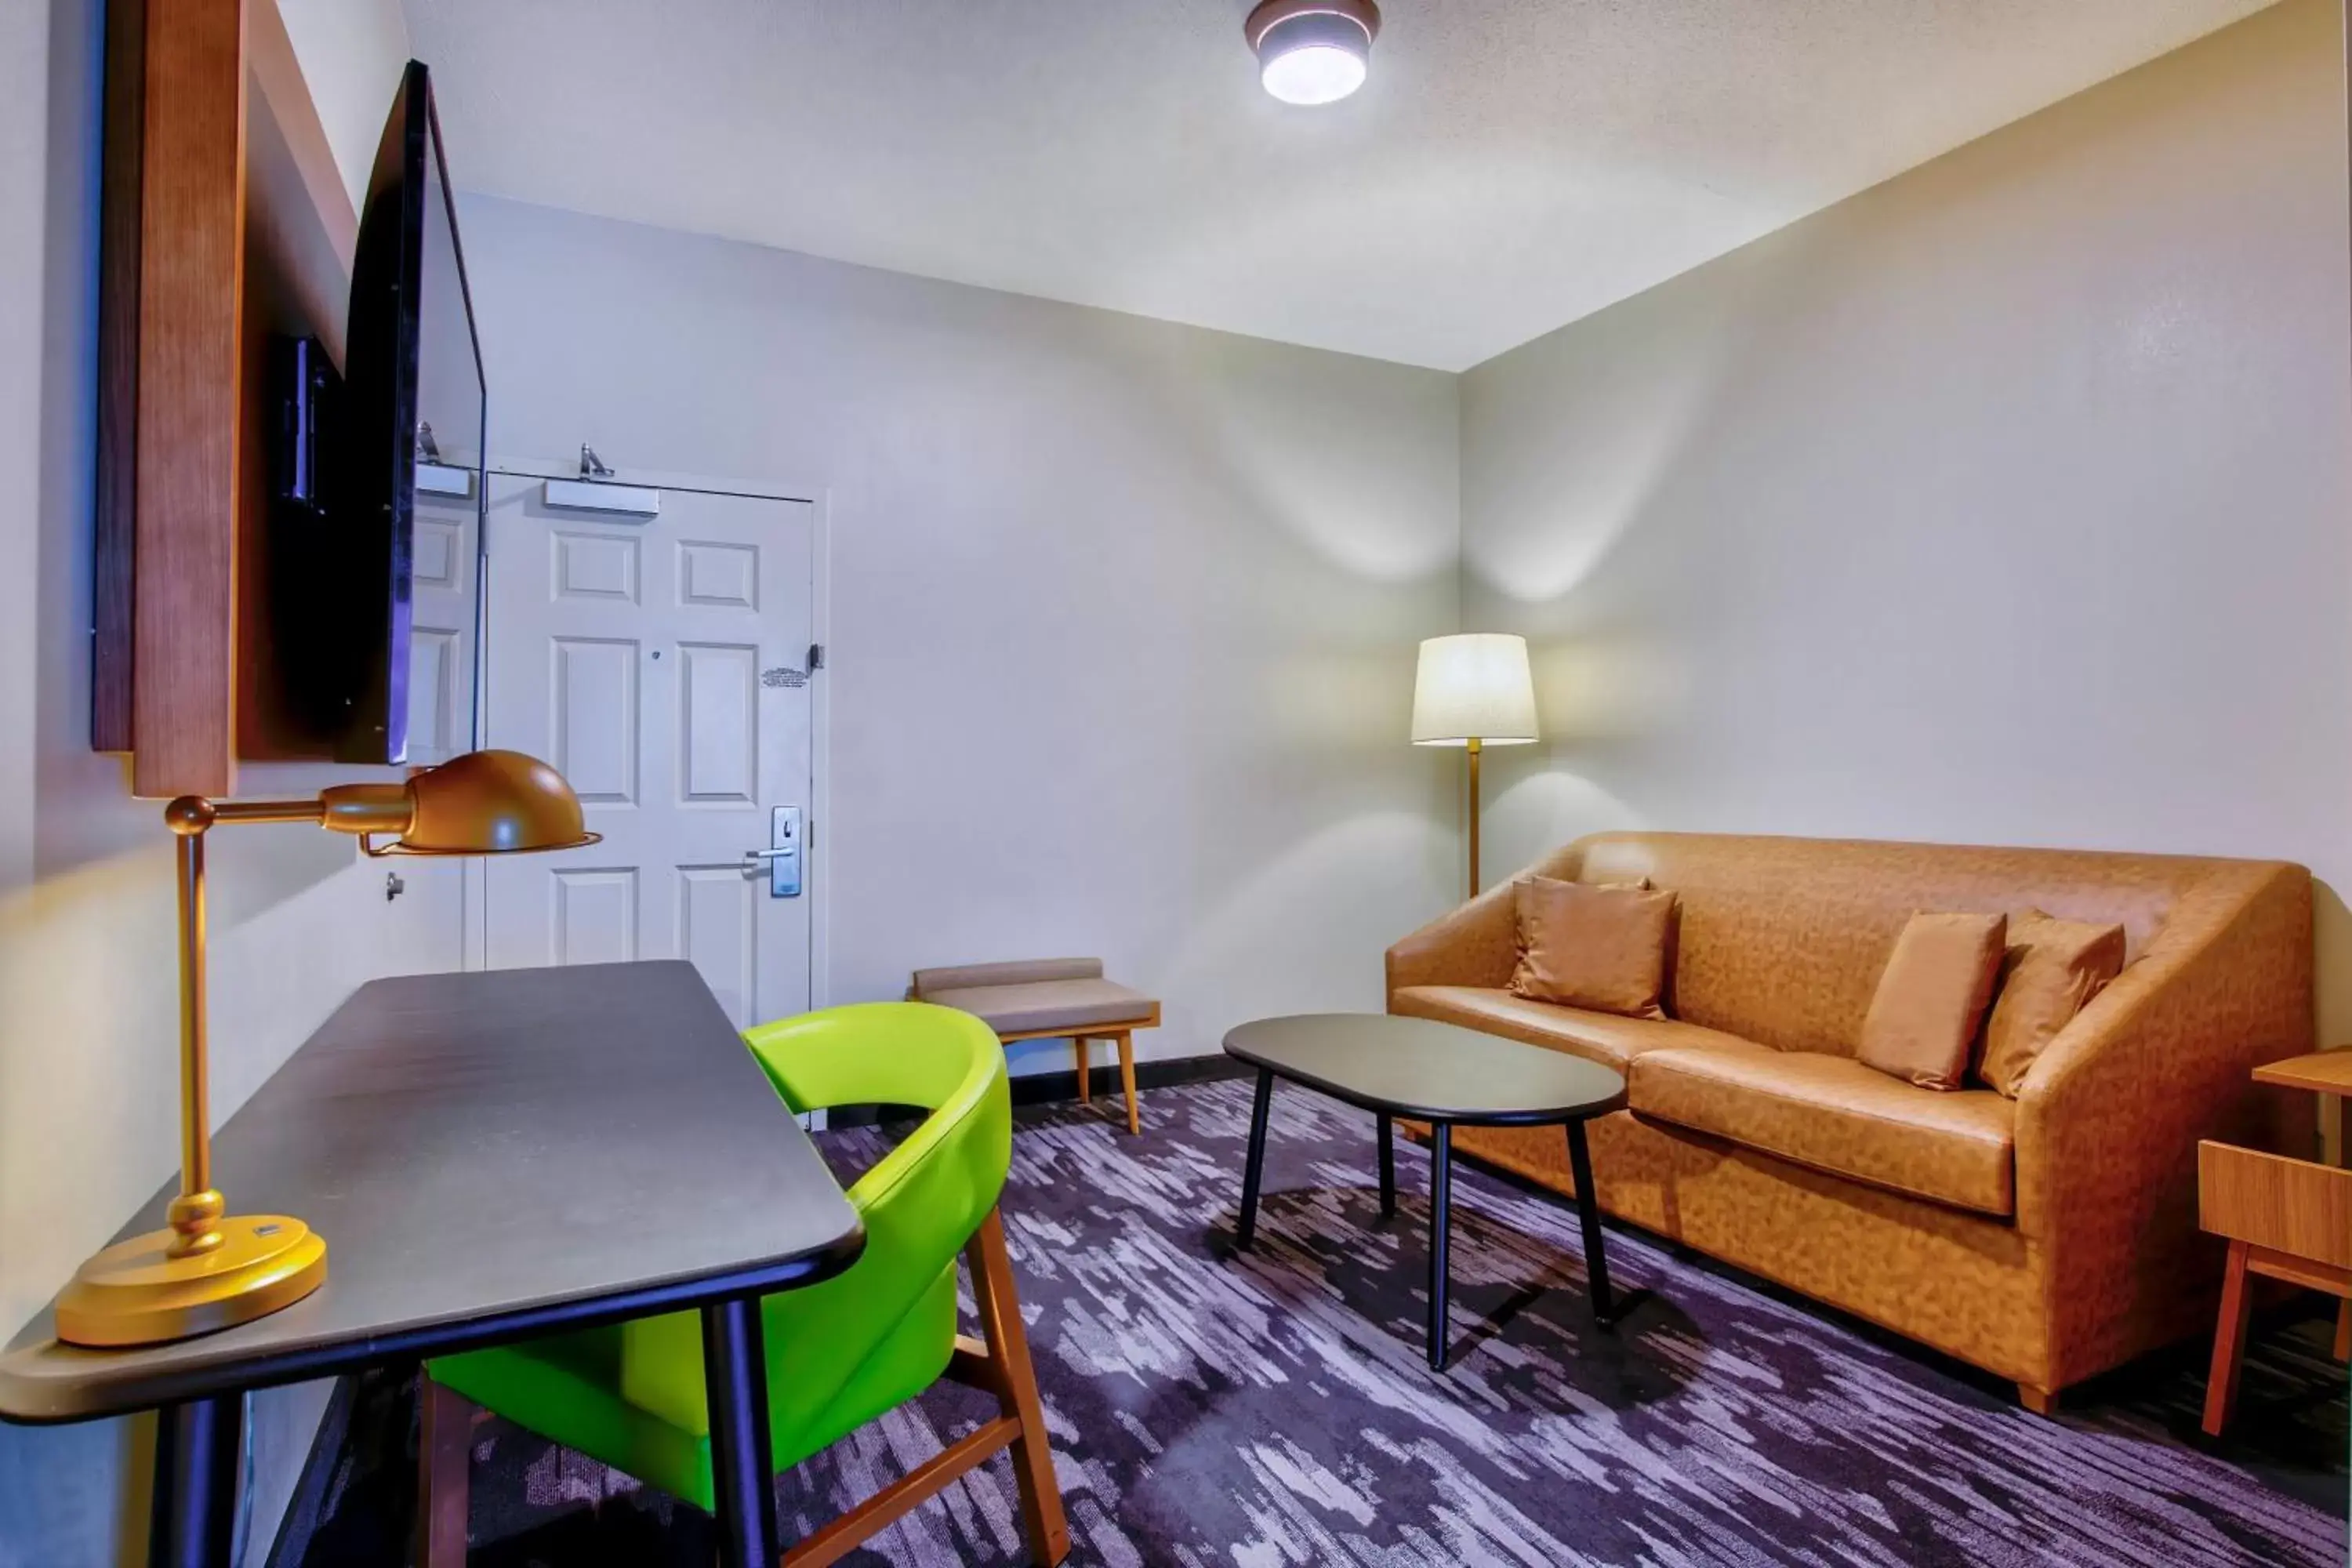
pixel 783 856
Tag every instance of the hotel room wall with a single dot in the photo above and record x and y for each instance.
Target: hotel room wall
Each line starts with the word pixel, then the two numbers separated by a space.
pixel 2009 502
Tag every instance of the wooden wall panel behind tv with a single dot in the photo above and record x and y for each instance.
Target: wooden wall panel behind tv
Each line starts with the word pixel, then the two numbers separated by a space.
pixel 222 220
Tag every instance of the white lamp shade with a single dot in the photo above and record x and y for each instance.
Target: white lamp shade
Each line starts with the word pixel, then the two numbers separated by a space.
pixel 1473 687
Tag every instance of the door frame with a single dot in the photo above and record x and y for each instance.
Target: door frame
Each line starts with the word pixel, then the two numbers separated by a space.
pixel 816 843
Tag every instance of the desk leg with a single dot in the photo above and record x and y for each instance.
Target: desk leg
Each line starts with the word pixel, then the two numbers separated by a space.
pixel 1256 1168
pixel 742 1471
pixel 1441 1225
pixel 199 1457
pixel 1388 1165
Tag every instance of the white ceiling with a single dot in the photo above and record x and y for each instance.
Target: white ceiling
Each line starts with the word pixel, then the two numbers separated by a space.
pixel 1512 165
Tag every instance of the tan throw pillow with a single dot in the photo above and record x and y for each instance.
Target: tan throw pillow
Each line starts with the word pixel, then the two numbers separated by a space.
pixel 1931 997
pixel 2053 968
pixel 1586 945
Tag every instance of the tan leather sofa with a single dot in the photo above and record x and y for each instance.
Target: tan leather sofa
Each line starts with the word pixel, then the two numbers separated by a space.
pixel 2045 1238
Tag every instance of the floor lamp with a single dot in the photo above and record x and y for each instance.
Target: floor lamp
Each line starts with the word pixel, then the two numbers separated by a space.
pixel 208 1269
pixel 1474 690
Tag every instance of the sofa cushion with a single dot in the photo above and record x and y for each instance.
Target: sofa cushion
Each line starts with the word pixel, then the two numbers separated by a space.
pixel 1922 1023
pixel 1604 1037
pixel 2053 968
pixel 1834 1114
pixel 1046 1004
pixel 1601 948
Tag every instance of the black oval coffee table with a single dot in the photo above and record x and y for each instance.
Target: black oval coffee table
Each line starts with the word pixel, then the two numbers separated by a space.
pixel 1446 1076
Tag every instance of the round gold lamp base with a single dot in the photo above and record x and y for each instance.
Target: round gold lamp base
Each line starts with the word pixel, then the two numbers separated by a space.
pixel 136 1293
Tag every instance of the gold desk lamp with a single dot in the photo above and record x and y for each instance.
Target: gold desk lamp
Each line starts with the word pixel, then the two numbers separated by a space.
pixel 209 1269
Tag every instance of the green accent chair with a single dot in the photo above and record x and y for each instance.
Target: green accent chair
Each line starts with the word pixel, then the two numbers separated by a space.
pixel 839 1354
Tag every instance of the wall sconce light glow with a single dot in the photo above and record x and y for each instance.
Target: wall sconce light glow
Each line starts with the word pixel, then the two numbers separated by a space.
pixel 1313 51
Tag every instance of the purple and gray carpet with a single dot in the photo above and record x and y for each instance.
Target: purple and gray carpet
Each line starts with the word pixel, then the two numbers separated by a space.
pixel 1274 1409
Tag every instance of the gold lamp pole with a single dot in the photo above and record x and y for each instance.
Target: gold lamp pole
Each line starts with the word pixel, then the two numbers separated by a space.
pixel 1474 690
pixel 208 1269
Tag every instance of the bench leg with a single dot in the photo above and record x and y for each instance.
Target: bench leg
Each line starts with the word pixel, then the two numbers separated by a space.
pixel 1085 1089
pixel 1127 1079
pixel 2229 1342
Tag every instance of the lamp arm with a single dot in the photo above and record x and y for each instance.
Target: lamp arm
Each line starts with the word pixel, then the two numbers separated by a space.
pixel 359 809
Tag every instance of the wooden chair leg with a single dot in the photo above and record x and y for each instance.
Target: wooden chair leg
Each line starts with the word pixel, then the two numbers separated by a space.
pixel 2344 1330
pixel 1127 1081
pixel 2229 1342
pixel 1078 1049
pixel 444 1452
pixel 1008 1346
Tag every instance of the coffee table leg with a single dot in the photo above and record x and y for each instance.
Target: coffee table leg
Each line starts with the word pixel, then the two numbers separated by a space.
pixel 1248 1229
pixel 1387 1167
pixel 1588 1216
pixel 742 1475
pixel 199 1461
pixel 1440 1219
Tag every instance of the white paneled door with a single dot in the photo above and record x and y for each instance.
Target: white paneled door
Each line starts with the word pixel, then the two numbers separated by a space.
pixel 660 664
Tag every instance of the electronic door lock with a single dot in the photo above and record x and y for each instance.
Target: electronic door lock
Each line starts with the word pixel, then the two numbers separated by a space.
pixel 783 856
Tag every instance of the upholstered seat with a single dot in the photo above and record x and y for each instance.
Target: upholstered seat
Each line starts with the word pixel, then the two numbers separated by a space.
pixel 1605 1037
pixel 1836 1115
pixel 1044 999
pixel 1045 1006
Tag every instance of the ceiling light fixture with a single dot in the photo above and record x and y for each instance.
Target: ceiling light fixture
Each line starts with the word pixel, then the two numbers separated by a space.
pixel 1313 51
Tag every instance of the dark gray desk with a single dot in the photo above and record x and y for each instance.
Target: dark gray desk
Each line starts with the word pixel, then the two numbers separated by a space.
pixel 1444 1075
pixel 489 1156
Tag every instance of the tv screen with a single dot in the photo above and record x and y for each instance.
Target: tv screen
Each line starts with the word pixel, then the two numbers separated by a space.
pixel 413 389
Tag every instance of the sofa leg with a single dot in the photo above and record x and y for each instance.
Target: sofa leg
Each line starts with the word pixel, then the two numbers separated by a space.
pixel 2041 1401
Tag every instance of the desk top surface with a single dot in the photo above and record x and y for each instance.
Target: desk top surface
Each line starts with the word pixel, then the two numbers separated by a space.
pixel 1425 1068
pixel 488 1155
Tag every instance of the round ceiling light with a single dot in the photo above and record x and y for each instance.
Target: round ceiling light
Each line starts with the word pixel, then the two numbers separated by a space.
pixel 1313 51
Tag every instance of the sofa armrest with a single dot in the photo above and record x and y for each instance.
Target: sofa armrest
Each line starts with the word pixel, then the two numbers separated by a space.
pixel 2110 1116
pixel 1476 944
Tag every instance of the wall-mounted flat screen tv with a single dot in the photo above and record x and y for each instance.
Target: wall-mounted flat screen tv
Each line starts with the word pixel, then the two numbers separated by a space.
pixel 412 386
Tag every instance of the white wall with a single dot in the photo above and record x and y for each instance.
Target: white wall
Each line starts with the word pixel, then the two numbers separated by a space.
pixel 2005 503
pixel 1123 613
pixel 352 53
pixel 88 1020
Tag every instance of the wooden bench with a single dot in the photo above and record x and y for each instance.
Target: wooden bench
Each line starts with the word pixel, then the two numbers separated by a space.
pixel 1047 999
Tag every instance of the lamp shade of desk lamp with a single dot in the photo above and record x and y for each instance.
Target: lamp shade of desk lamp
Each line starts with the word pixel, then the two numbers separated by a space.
pixel 1474 690
pixel 209 1269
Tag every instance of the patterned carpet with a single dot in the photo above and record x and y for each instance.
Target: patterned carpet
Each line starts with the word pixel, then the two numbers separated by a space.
pixel 1273 1409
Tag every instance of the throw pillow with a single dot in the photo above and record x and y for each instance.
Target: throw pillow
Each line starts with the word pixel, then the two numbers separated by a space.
pixel 2053 968
pixel 1583 945
pixel 1931 997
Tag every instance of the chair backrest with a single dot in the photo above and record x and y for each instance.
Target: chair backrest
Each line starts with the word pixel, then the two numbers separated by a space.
pixel 906 1053
pixel 920 1204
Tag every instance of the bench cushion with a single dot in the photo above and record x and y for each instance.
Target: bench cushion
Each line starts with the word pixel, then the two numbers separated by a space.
pixel 1045 1005
pixel 1836 1115
pixel 929 982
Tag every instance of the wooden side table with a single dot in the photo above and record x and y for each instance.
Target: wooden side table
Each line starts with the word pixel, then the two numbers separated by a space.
pixel 2285 1218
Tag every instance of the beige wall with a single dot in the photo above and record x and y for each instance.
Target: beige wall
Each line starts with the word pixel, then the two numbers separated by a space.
pixel 1123 613
pixel 88 1020
pixel 2005 503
